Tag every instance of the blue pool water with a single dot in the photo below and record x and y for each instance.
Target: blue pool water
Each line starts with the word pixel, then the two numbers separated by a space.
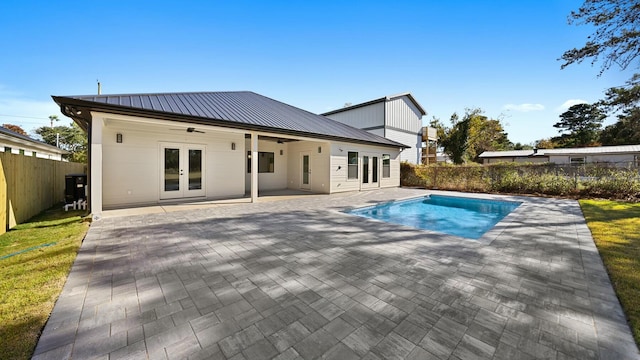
pixel 465 217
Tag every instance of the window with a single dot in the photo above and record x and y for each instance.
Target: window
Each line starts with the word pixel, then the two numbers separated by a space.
pixel 636 160
pixel 374 163
pixel 386 165
pixel 352 159
pixel 266 162
pixel 577 161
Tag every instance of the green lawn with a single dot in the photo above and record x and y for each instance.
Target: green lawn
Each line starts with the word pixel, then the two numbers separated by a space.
pixel 35 259
pixel 616 230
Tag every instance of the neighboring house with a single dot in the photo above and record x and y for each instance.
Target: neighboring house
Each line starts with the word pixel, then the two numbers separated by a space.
pixel 396 117
pixel 621 155
pixel 153 148
pixel 13 142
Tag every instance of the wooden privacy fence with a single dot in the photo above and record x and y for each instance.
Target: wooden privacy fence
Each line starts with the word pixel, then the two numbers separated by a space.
pixel 29 185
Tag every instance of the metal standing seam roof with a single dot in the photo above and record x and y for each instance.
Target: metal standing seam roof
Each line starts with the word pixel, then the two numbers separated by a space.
pixel 511 153
pixel 382 99
pixel 617 149
pixel 233 108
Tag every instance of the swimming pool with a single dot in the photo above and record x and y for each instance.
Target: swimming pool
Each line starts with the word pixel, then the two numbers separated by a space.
pixel 465 217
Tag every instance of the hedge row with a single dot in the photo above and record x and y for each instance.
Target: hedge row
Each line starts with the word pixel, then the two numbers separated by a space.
pixel 539 179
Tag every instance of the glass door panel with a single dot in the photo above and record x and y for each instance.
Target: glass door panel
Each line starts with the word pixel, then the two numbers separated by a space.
pixel 365 169
pixel 171 169
pixel 305 169
pixel 195 169
pixel 374 175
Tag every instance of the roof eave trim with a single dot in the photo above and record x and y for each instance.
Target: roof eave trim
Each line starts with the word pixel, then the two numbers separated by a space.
pixel 88 106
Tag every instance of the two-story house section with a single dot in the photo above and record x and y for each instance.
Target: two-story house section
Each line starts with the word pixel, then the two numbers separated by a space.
pixel 396 117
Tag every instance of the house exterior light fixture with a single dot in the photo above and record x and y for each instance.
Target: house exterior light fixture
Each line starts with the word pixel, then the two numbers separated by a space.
pixel 119 138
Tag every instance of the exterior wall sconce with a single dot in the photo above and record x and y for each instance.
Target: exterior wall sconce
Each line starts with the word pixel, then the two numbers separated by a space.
pixel 281 152
pixel 119 138
pixel 233 146
pixel 319 149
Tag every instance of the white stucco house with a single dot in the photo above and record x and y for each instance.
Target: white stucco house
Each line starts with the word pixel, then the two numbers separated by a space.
pixel 395 117
pixel 620 155
pixel 15 143
pixel 156 148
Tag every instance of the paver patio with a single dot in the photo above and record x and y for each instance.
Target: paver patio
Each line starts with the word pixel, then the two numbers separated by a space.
pixel 297 279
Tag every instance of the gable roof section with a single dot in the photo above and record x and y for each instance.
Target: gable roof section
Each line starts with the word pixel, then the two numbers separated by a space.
pixel 382 99
pixel 235 109
pixel 10 135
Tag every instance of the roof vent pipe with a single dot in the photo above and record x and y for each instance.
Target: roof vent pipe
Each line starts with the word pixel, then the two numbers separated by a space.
pixel 99 87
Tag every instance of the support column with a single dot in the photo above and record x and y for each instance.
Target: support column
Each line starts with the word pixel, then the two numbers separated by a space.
pixel 254 167
pixel 95 175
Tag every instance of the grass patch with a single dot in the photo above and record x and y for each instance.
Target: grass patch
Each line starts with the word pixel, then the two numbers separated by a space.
pixel 615 227
pixel 32 276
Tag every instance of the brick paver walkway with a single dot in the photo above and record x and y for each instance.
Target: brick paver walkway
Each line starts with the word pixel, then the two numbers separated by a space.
pixel 296 279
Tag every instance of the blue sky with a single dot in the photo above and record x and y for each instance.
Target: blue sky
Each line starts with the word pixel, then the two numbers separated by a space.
pixel 500 56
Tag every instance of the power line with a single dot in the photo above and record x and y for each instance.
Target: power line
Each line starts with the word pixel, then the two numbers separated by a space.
pixel 25 117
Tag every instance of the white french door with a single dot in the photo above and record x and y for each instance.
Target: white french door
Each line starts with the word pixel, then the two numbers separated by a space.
pixel 370 171
pixel 182 172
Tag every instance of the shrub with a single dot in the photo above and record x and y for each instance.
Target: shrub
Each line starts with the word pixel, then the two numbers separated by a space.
pixel 544 179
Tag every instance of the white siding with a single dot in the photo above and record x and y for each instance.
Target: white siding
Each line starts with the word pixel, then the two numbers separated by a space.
pixel 362 117
pixel 131 169
pixel 619 159
pixel 318 165
pixel 277 180
pixel 401 113
pixel 412 154
pixel 339 169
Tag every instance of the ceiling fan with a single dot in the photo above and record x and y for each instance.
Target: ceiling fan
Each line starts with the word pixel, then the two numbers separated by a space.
pixel 190 130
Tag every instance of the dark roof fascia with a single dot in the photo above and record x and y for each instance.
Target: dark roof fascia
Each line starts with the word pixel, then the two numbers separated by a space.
pixel 413 100
pixel 88 106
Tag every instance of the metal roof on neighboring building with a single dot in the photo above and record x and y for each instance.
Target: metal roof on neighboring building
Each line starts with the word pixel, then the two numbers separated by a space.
pixel 236 109
pixel 24 139
pixel 511 153
pixel 619 149
pixel 386 98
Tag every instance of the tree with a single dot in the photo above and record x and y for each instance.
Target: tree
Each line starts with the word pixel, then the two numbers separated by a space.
pixel 466 139
pixel 624 101
pixel 616 41
pixel 454 142
pixel 70 138
pixel 616 38
pixel 15 128
pixel 485 135
pixel 624 132
pixel 546 144
pixel 53 118
pixel 582 121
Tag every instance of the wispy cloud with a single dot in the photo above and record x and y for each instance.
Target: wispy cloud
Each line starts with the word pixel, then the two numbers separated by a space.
pixel 523 107
pixel 569 103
